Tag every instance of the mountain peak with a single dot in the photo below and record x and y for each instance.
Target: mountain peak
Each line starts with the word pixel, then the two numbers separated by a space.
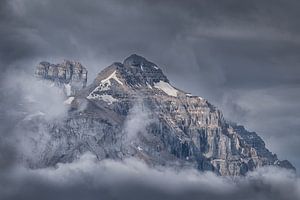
pixel 137 61
pixel 135 70
pixel 141 64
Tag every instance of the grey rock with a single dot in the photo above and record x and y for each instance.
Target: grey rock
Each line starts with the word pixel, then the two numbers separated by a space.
pixel 71 76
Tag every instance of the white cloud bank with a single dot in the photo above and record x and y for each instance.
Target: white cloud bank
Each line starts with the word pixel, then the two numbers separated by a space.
pixel 88 178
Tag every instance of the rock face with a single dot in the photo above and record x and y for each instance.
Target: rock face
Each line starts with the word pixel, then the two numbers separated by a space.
pixel 131 109
pixel 69 75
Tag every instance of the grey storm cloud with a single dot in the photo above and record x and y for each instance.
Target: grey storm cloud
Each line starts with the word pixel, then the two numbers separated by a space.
pixel 243 56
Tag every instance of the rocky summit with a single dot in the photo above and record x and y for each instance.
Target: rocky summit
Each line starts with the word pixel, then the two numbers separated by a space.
pixel 132 110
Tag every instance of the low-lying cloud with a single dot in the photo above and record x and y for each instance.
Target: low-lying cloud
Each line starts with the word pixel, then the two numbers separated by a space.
pixel 88 178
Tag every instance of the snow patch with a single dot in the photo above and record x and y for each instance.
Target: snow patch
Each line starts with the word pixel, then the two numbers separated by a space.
pixel 104 86
pixel 167 88
pixel 104 97
pixel 112 76
pixel 149 86
pixel 140 148
pixel 108 98
pixel 68 89
pixel 69 101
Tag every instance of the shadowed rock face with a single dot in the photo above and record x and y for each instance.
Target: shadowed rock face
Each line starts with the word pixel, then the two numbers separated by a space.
pixel 69 75
pixel 131 109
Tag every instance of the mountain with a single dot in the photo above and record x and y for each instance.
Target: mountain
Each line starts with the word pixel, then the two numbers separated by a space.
pixel 132 109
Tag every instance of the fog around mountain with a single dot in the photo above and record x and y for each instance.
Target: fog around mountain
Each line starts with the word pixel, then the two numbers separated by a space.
pixel 240 55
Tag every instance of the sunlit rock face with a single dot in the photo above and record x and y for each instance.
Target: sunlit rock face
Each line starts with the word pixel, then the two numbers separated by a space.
pixel 69 75
pixel 131 109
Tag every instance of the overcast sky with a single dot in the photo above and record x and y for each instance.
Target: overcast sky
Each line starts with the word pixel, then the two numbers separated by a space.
pixel 243 56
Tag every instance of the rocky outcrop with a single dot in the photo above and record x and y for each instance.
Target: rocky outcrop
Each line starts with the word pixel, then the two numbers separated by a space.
pixel 131 109
pixel 69 75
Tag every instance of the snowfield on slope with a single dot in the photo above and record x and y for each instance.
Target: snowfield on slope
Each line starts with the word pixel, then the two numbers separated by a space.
pixel 167 88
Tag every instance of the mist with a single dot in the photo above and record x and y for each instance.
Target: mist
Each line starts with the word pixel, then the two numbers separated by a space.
pixel 89 178
pixel 242 56
pixel 25 98
pixel 137 120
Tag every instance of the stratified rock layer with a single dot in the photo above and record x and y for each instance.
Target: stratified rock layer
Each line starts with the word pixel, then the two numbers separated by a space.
pixel 69 75
pixel 131 109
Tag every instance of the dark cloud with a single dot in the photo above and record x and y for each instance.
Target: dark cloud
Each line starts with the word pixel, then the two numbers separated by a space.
pixel 240 55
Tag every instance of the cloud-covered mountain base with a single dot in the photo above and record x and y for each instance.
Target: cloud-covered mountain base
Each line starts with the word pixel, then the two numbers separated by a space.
pixel 88 178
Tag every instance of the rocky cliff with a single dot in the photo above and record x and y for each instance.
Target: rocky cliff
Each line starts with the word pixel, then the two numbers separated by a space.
pixel 69 75
pixel 131 109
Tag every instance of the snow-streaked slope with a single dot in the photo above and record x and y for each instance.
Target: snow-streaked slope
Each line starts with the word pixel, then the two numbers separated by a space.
pixel 112 76
pixel 167 88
